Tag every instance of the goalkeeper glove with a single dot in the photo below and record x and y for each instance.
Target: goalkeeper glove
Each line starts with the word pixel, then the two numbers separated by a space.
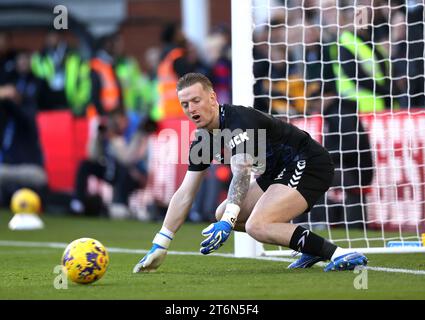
pixel 218 232
pixel 156 255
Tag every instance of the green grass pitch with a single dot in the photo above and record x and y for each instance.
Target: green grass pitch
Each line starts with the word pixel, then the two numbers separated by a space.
pixel 26 268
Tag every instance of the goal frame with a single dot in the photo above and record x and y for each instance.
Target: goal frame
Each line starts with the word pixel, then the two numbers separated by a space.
pixel 242 94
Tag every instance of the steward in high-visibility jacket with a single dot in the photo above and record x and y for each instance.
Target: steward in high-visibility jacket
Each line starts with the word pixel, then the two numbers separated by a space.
pixel 49 66
pixel 105 88
pixel 77 83
pixel 76 78
pixel 129 76
pixel 362 73
pixel 139 92
pixel 150 97
pixel 42 66
pixel 169 104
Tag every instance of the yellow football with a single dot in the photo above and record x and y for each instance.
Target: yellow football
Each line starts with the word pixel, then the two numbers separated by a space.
pixel 85 260
pixel 25 201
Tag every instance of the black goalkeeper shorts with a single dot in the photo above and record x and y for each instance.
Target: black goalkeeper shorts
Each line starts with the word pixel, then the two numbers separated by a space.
pixel 312 177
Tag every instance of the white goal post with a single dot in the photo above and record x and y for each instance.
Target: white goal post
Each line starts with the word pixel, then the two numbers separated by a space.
pixel 242 93
pixel 391 208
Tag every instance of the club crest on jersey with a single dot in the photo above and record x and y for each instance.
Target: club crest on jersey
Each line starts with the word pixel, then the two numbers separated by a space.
pixel 236 140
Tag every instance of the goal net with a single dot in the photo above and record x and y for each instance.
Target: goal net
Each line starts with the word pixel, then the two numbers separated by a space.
pixel 351 73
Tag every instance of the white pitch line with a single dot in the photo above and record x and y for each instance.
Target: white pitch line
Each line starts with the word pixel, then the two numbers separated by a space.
pixel 409 271
pixel 61 245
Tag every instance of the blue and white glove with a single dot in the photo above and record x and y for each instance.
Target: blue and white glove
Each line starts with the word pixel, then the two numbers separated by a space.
pixel 218 232
pixel 156 255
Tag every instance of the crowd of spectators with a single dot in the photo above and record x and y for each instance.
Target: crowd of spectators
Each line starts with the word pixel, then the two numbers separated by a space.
pixel 121 103
pixel 303 50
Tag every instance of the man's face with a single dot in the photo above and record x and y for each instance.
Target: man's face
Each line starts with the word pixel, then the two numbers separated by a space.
pixel 23 63
pixel 198 104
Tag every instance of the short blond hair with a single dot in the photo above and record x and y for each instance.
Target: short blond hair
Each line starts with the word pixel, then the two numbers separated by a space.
pixel 189 79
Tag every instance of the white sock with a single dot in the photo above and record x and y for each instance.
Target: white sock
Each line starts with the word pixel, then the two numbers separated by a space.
pixel 339 252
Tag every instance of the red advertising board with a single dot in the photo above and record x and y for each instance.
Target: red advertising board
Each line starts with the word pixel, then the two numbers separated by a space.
pixel 397 196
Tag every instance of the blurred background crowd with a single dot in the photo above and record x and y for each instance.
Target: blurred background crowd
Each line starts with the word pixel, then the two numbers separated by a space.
pixel 116 65
pixel 378 44
pixel 112 66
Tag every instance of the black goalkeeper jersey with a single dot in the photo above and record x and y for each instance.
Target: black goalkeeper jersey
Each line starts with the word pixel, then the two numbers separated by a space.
pixel 273 144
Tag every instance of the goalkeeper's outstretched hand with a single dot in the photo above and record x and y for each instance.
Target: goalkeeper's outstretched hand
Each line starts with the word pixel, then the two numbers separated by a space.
pixel 216 233
pixel 156 255
pixel 152 260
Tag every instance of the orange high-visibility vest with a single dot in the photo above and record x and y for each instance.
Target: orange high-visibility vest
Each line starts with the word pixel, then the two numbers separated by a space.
pixel 110 91
pixel 167 81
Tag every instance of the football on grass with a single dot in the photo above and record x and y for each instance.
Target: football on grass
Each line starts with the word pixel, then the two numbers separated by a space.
pixel 85 260
pixel 25 201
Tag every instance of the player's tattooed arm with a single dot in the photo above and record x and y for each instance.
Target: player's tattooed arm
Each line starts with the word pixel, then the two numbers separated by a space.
pixel 241 165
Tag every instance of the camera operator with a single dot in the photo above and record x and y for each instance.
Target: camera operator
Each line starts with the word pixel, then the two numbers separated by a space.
pixel 119 161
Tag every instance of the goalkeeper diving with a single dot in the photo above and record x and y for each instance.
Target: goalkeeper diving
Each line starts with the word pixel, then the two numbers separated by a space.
pixel 293 174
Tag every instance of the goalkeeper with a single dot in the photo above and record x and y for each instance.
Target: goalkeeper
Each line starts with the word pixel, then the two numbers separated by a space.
pixel 295 172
